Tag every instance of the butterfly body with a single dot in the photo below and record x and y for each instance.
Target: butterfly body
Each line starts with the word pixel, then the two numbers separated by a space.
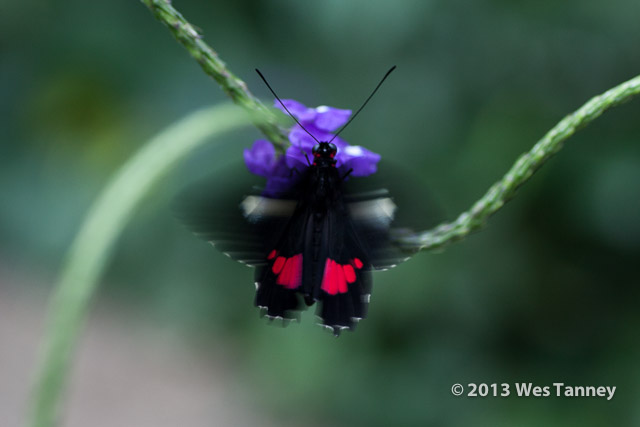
pixel 318 254
pixel 310 238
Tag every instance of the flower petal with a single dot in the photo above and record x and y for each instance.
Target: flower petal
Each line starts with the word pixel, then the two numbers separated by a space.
pixel 299 110
pixel 281 178
pixel 260 158
pixel 329 118
pixel 295 157
pixel 364 162
pixel 300 137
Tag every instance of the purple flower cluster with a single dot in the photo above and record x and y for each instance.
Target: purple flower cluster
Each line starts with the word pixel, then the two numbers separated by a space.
pixel 261 159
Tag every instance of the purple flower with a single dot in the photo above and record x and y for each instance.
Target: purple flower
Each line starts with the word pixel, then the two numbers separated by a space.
pixel 363 162
pixel 321 122
pixel 261 158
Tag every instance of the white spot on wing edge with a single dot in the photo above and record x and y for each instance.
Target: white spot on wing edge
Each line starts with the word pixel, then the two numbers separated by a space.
pixel 257 206
pixel 381 210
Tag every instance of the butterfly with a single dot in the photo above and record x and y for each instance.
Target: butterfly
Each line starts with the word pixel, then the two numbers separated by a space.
pixel 316 241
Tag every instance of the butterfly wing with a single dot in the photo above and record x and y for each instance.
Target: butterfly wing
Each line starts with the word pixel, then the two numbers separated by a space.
pixel 326 258
pixel 345 286
pixel 372 214
pixel 240 226
pixel 320 256
pixel 280 278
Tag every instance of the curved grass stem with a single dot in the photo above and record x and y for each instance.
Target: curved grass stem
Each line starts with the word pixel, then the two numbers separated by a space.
pixel 92 246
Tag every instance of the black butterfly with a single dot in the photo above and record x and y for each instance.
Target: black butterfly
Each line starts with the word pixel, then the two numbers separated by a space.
pixel 318 241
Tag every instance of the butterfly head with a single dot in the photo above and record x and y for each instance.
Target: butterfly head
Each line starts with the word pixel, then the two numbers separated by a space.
pixel 324 153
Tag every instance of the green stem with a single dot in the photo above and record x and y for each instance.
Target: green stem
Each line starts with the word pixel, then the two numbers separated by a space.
pixel 467 222
pixel 208 59
pixel 95 240
pixel 526 165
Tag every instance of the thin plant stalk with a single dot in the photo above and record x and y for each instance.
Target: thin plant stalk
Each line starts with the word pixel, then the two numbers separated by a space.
pixel 95 240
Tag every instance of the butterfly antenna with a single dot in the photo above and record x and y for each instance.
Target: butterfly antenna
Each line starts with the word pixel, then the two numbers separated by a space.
pixel 365 102
pixel 285 107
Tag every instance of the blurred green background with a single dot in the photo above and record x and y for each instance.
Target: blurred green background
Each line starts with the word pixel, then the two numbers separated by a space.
pixel 547 293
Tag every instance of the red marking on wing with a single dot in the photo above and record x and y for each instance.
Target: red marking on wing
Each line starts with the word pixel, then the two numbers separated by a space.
pixel 349 273
pixel 272 254
pixel 334 280
pixel 277 266
pixel 289 271
pixel 357 263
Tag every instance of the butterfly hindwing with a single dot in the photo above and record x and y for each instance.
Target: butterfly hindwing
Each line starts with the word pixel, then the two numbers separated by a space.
pixel 280 280
pixel 337 271
pixel 345 287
